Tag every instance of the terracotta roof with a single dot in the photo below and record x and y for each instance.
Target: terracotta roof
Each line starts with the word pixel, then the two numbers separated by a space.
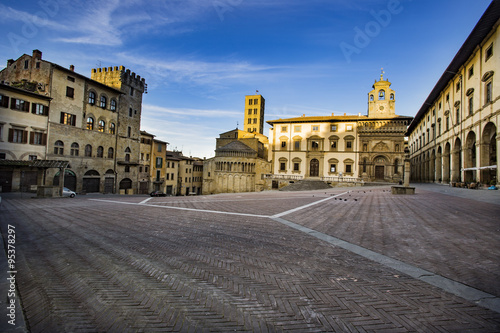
pixel 35 163
pixel 236 146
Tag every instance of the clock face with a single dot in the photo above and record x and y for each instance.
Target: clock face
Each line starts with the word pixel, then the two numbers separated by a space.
pixel 381 108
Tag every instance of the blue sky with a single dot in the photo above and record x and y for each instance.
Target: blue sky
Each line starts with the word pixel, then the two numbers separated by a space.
pixel 201 57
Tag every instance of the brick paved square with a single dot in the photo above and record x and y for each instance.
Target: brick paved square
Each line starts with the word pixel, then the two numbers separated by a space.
pixel 129 264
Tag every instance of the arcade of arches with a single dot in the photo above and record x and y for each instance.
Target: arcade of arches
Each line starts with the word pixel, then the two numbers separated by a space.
pixel 473 160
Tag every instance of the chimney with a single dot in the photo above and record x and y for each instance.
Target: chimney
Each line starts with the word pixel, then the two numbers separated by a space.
pixel 10 62
pixel 72 68
pixel 37 54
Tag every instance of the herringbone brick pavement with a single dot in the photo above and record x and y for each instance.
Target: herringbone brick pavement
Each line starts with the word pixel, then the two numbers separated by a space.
pixel 105 266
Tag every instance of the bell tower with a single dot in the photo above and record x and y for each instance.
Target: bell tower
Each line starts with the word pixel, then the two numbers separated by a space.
pixel 381 100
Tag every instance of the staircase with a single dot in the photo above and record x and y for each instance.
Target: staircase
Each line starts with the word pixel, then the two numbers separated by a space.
pixel 306 185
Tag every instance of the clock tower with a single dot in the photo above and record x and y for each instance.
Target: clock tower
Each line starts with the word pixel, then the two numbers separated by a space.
pixel 381 99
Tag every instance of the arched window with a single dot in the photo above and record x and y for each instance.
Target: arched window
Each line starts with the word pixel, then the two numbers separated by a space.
pixel 102 125
pixel 103 102
pixel 381 95
pixel 74 149
pixel 88 151
pixel 100 151
pixel 396 163
pixel 392 97
pixel 112 128
pixel 91 97
pixel 90 123
pixel 371 98
pixel 127 154
pixel 111 152
pixel 59 147
pixel 112 105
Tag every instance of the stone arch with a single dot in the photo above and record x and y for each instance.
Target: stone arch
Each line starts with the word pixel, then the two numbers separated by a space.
pixel 447 163
pixel 470 160
pixel 456 161
pixel 489 155
pixel 439 165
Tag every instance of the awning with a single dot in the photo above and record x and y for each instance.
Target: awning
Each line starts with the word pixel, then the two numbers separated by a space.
pixel 43 164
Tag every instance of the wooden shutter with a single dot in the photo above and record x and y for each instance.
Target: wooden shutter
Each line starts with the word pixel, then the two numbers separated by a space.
pixel 13 103
pixel 45 110
pixel 5 101
pixel 33 107
pixel 11 135
pixel 73 120
pixel 62 117
pixel 44 139
pixel 32 137
pixel 26 106
pixel 25 136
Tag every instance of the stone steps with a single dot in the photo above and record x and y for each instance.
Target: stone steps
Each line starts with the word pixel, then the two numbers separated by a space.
pixel 306 185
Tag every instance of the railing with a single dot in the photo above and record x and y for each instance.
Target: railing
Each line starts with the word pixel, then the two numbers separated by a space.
pixel 282 177
pixel 342 179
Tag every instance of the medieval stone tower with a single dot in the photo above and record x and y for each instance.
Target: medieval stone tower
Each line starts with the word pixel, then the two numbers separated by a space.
pixel 129 109
pixel 254 113
pixel 382 99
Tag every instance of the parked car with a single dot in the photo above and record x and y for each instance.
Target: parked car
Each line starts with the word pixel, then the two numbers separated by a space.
pixel 158 194
pixel 68 193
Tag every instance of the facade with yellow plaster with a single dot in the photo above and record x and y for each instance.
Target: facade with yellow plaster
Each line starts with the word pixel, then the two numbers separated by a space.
pixel 454 137
pixel 339 148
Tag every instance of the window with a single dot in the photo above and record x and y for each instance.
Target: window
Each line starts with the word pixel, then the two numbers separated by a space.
pixel 297 129
pixel 333 167
pixel 102 126
pixel 103 102
pixel 447 97
pixel 26 64
pixel 127 168
pixel 2 156
pixel 315 145
pixel 489 52
pixel 159 162
pixel 19 104
pixel 315 128
pixel 250 102
pixel 38 65
pixel 348 168
pixel 70 92
pixel 296 166
pixel 255 101
pixel 88 151
pixel 333 145
pixel 159 148
pixel 282 166
pixel 112 105
pixel 458 86
pixel 457 116
pixel 296 145
pixel 365 147
pixel 283 145
pixel 18 135
pixel 371 98
pixel 127 154
pixel 90 123
pixel 130 112
pixel 381 95
pixel 40 109
pixel 129 131
pixel 75 148
pixel 255 120
pixel 111 128
pixel 471 105
pixel 68 119
pixel 249 120
pixel 348 128
pixel 38 138
pixel 4 101
pixel 71 79
pixel 131 91
pixel 254 111
pixel 91 97
pixel 32 157
pixel 249 111
pixel 471 71
pixel 333 128
pixel 392 97
pixel 348 145
pixel 59 147
pixel 447 123
pixel 489 91
pixel 100 151
pixel 111 152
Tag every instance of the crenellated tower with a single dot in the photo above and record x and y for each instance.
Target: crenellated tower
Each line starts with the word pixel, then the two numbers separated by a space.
pixel 129 109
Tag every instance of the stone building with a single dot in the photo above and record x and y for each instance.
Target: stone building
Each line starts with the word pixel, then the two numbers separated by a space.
pixel 341 148
pixel 23 135
pixel 239 165
pixel 454 136
pixel 92 123
pixel 172 167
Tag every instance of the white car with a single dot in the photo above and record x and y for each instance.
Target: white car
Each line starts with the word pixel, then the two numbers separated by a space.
pixel 68 193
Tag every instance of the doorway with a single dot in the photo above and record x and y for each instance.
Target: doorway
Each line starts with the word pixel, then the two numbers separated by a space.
pixel 314 168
